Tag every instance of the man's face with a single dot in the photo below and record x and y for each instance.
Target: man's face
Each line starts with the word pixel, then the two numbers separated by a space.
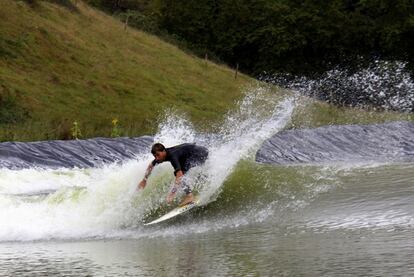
pixel 160 156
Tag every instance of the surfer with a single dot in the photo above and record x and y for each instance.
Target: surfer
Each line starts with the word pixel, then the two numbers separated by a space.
pixel 182 157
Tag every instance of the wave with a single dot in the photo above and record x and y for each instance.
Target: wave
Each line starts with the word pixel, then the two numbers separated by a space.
pixel 101 201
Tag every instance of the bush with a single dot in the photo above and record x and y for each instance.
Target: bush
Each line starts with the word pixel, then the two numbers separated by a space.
pixel 116 131
pixel 76 131
pixel 139 20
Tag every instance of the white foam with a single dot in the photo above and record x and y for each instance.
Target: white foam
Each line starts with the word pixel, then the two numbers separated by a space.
pixel 102 202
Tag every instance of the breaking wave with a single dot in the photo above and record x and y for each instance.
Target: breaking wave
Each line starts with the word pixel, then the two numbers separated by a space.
pixel 102 201
pixel 66 200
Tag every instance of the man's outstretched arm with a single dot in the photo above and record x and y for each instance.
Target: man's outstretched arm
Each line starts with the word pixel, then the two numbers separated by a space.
pixel 143 183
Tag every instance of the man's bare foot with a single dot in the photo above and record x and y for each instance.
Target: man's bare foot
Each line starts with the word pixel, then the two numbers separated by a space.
pixel 187 199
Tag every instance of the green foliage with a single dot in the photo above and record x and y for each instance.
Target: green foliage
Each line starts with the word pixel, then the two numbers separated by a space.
pixel 64 66
pixel 76 132
pixel 138 20
pixel 283 35
pixel 116 131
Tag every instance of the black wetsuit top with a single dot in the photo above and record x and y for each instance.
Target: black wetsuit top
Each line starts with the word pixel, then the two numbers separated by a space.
pixel 185 156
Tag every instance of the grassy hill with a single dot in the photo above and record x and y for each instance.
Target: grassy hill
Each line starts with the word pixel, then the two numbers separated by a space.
pixel 59 65
pixel 62 63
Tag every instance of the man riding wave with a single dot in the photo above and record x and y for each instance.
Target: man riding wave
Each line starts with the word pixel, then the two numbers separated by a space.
pixel 182 157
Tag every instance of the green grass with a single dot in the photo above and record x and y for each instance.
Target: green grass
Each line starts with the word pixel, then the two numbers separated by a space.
pixel 311 113
pixel 60 65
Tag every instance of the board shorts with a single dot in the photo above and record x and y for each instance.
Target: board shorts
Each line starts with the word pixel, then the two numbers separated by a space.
pixel 187 183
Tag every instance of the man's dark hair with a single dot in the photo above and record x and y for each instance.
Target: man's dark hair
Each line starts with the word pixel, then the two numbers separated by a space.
pixel 157 147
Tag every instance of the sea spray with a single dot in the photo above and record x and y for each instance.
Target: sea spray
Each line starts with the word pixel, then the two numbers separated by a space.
pixel 241 135
pixel 103 202
pixel 84 202
pixel 384 85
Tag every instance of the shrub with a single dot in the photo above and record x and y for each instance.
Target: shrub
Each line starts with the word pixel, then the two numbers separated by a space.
pixel 116 132
pixel 76 132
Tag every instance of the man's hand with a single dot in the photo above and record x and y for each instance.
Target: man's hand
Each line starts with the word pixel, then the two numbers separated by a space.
pixel 171 195
pixel 142 184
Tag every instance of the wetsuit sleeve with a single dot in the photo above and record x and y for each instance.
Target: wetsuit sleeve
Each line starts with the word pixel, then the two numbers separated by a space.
pixel 154 162
pixel 176 164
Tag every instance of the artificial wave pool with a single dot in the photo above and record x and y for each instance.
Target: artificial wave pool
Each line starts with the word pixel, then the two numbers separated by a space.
pixel 82 216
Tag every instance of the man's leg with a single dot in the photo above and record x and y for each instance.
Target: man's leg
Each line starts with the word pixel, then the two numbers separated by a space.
pixel 189 197
pixel 198 160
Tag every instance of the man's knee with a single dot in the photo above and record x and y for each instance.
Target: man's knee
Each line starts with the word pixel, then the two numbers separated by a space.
pixel 187 189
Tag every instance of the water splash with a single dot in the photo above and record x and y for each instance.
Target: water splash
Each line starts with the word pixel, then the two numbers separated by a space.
pixel 174 129
pixel 102 202
pixel 242 133
pixel 383 84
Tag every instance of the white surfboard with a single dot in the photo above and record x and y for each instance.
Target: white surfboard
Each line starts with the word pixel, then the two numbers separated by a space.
pixel 175 212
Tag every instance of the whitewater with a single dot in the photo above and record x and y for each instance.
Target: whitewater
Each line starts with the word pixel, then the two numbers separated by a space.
pixel 330 201
pixel 70 203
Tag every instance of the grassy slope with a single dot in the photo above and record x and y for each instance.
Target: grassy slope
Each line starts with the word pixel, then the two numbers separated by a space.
pixel 64 66
pixel 312 113
pixel 59 66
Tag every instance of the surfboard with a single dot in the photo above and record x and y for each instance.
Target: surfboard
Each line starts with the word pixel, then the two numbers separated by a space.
pixel 175 212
